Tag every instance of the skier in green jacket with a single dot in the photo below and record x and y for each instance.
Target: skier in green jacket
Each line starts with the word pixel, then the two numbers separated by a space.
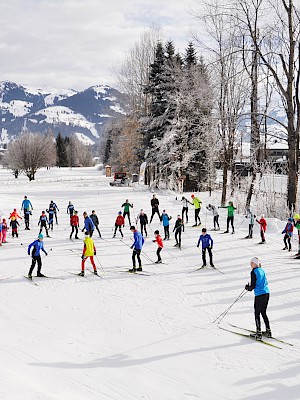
pixel 230 216
pixel 196 202
pixel 126 210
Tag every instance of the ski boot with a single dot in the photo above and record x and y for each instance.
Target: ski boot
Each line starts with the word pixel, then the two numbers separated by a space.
pixel 133 270
pixel 268 333
pixel 158 262
pixel 285 248
pixel 225 232
pixel 257 335
pixel 81 273
pixel 95 272
pixel 40 275
pixel 140 269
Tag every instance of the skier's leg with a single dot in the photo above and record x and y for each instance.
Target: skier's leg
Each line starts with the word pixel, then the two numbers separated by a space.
pixel 82 264
pixel 116 227
pixel 228 219
pixel 257 311
pixel 32 265
pixel 210 256
pixel 39 263
pixel 145 230
pixel 76 232
pixel 232 221
pixel 265 301
pixel 133 258
pixel 98 230
pixel 204 256
pixel 93 263
pixel 138 254
pixel 158 254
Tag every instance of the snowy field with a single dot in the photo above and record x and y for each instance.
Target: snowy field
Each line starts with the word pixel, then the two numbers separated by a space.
pixel 127 337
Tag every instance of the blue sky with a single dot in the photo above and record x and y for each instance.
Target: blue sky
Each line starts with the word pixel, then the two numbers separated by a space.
pixel 77 43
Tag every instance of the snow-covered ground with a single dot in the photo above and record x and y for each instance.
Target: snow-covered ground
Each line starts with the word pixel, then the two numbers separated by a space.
pixel 139 337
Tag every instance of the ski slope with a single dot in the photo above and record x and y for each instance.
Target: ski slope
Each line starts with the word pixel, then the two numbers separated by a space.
pixel 128 337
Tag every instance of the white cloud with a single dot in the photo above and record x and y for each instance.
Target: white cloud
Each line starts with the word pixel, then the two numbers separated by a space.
pixel 75 43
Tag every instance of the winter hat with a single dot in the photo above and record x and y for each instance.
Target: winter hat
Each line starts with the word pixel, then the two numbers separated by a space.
pixel 290 219
pixel 156 232
pixel 120 212
pixel 132 228
pixel 41 236
pixel 4 220
pixel 15 209
pixel 75 212
pixel 192 196
pixel 13 218
pixel 86 233
pixel 256 261
pixel 296 216
pixel 178 217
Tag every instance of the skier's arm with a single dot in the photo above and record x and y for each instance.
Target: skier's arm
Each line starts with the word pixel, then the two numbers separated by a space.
pixel 42 248
pixel 211 242
pixel 253 282
pixel 199 240
pixel 94 250
pixel 39 221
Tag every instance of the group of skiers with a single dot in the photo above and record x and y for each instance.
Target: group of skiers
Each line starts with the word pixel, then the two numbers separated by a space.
pixel 91 223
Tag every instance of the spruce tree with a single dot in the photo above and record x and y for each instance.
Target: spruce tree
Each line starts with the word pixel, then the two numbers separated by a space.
pixel 61 153
pixel 190 57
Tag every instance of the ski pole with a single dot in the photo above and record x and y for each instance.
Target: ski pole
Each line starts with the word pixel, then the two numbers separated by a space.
pixel 100 264
pixel 142 252
pixel 223 314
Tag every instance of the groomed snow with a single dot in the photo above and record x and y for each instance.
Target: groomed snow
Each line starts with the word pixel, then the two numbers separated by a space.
pixel 139 337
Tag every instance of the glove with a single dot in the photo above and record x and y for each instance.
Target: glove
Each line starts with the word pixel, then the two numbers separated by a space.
pixel 82 230
pixel 211 247
pixel 247 287
pixel 153 241
pixel 94 253
pixel 131 247
pixel 46 254
pixel 29 254
pixel 197 245
pixel 83 257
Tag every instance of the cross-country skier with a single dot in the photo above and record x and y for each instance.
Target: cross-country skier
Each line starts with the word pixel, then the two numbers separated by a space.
pixel 185 209
pixel 160 246
pixel 143 221
pixel 288 234
pixel 89 251
pixel 126 211
pixel 120 221
pixel 215 213
pixel 165 219
pixel 4 230
pixel 14 214
pixel 178 228
pixel 43 222
pixel 263 227
pixel 26 205
pixel 207 244
pixel 37 246
pixel 196 202
pixel 88 224
pixel 56 209
pixel 70 209
pixel 95 220
pixel 251 217
pixel 154 206
pixel 14 227
pixel 259 284
pixel 230 216
pixel 137 246
pixel 74 221
pixel 51 212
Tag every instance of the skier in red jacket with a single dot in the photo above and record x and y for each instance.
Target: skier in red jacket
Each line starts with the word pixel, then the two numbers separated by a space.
pixel 120 221
pixel 160 245
pixel 74 221
pixel 263 227
pixel 15 214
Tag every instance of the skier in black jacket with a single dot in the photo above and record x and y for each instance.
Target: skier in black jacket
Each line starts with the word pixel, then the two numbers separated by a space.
pixel 95 220
pixel 154 205
pixel 143 221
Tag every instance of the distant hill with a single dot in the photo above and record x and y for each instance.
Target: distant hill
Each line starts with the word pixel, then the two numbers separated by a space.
pixel 67 111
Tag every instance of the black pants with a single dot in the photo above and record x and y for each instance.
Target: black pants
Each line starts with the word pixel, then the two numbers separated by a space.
pixel 167 232
pixel 178 236
pixel 56 217
pixel 262 235
pixel 159 249
pixel 128 216
pixel 96 227
pixel 204 255
pixel 120 230
pixel 216 221
pixel 185 210
pixel 197 216
pixel 230 220
pixel 26 219
pixel 136 253
pixel 287 240
pixel 38 260
pixel 43 225
pixel 74 229
pixel 250 230
pixel 260 308
pixel 143 227
pixel 154 211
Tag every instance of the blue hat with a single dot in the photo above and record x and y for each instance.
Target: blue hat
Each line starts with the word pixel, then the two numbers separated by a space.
pixel 41 236
pixel 290 219
pixel 120 212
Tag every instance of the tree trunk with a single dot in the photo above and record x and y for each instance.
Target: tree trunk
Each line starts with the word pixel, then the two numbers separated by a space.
pixel 224 183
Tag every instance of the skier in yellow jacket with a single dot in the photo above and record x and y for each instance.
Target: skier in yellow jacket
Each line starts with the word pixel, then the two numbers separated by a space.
pixel 196 202
pixel 89 250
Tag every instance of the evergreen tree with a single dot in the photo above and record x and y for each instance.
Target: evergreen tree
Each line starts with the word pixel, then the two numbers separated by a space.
pixel 190 57
pixel 61 152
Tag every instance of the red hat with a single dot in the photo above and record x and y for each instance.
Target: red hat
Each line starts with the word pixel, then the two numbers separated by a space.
pixel 193 195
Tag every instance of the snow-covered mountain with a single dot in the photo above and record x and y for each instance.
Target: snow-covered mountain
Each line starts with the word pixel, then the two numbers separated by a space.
pixel 59 110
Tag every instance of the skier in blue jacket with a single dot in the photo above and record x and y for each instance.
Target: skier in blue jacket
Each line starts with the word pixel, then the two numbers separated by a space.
pixel 37 246
pixel 165 219
pixel 207 244
pixel 259 284
pixel 137 246
pixel 26 204
pixel 88 224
